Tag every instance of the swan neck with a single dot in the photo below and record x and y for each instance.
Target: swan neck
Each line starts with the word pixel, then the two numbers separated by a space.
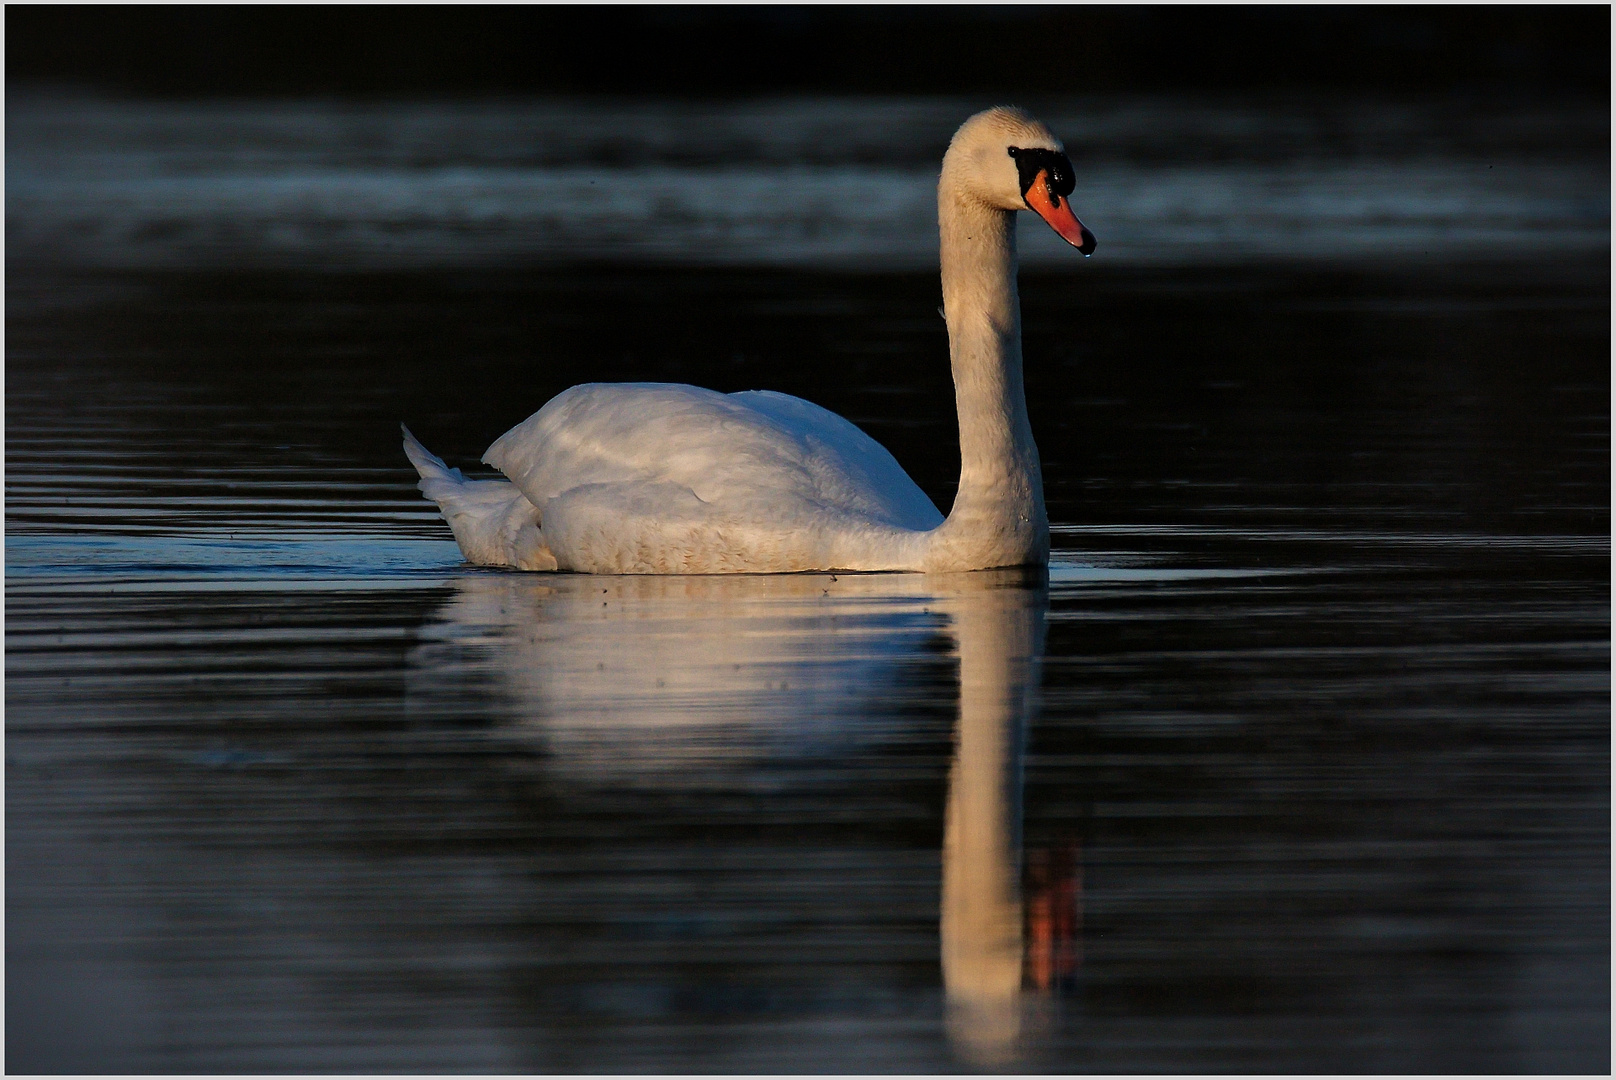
pixel 1001 485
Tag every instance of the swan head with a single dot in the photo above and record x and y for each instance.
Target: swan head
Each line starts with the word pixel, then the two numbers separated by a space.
pixel 1004 158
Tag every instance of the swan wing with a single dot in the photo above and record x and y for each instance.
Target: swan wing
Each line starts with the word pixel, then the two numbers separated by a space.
pixel 872 478
pixel 757 455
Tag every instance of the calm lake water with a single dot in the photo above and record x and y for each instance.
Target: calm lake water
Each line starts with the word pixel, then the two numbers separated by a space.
pixel 1297 759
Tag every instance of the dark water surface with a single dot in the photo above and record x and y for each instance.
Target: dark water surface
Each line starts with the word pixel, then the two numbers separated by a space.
pixel 1298 761
pixel 791 182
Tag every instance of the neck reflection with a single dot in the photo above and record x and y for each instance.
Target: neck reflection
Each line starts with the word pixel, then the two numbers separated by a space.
pixel 1000 630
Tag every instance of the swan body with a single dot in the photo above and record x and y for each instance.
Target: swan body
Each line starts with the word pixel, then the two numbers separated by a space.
pixel 659 478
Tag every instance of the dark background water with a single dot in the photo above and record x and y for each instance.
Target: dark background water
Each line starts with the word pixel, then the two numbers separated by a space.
pixel 1317 778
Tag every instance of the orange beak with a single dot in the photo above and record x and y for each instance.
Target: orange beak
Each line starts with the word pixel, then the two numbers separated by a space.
pixel 1058 212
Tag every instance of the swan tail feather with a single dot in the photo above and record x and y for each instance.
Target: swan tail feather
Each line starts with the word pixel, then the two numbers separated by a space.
pixel 492 521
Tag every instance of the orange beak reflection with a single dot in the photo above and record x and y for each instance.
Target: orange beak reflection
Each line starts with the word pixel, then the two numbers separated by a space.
pixel 1058 212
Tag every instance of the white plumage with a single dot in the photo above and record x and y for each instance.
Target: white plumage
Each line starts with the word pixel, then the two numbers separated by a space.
pixel 658 478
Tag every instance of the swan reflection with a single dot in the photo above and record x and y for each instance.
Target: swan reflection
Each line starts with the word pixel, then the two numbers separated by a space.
pixel 679 681
pixel 682 682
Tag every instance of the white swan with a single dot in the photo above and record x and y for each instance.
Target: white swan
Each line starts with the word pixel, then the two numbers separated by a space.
pixel 655 478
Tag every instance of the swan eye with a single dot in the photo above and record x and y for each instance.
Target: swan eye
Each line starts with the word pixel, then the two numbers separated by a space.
pixel 1061 180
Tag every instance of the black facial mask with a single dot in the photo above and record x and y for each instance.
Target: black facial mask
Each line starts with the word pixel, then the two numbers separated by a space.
pixel 1029 163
